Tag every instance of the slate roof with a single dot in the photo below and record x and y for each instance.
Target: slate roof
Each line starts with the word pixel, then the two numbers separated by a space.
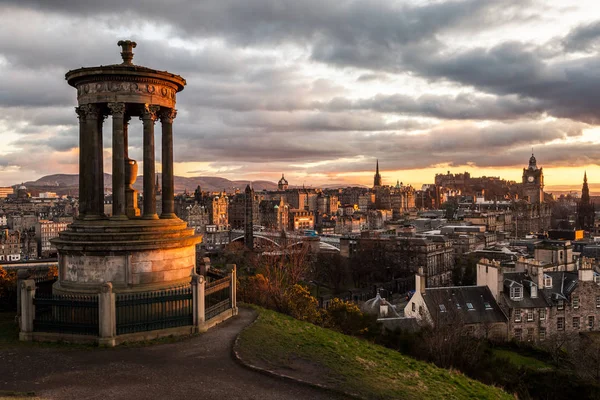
pixel 455 305
pixel 527 301
pixel 563 284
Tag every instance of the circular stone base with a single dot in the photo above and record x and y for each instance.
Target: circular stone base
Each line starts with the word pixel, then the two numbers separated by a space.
pixel 134 255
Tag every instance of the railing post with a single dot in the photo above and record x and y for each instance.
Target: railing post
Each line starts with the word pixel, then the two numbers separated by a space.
pixel 233 290
pixel 198 301
pixel 22 275
pixel 107 321
pixel 27 309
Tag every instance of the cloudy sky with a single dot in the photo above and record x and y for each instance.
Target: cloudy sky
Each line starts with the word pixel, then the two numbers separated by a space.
pixel 319 89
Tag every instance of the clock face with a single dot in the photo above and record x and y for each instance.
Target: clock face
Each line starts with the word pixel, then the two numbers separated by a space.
pixel 530 179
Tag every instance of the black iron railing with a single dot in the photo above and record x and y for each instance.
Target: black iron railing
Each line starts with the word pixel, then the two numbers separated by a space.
pixel 140 312
pixel 66 314
pixel 217 297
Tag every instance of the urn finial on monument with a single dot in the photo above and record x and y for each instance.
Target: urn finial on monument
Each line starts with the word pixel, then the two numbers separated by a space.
pixel 127 53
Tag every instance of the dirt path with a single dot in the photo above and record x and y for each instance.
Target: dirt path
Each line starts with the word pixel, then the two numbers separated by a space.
pixel 198 368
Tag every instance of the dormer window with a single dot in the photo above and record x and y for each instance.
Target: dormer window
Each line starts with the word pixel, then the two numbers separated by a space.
pixel 547 281
pixel 487 305
pixel 516 292
pixel 596 277
pixel 442 308
pixel 470 306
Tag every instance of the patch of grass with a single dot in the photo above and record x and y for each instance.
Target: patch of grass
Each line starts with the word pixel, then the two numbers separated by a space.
pixel 353 365
pixel 520 360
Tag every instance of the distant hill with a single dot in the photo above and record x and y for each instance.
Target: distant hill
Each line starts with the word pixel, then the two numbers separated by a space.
pixel 64 184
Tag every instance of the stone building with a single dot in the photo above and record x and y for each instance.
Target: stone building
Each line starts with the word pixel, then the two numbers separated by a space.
pixel 471 310
pixel 237 210
pixel 10 245
pixel 273 214
pixel 542 303
pixel 218 210
pixel 327 204
pixel 45 231
pixel 434 254
pixel 196 217
pixel 300 220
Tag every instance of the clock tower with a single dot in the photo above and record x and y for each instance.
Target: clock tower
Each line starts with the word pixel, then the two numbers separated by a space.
pixel 533 182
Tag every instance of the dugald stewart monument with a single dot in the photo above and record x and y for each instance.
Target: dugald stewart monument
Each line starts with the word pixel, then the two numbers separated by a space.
pixel 132 275
pixel 134 251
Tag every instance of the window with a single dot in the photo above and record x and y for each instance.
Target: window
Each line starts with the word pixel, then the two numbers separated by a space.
pixel 534 291
pixel 517 315
pixel 596 278
pixel 518 334
pixel 591 322
pixel 516 292
pixel 597 301
pixel 442 308
pixel 470 307
pixel 576 322
pixel 561 305
pixel 560 323
pixel 487 305
pixel 457 306
pixel 530 334
pixel 529 315
pixel 414 307
pixel 542 313
pixel 542 334
pixel 547 281
pixel 575 301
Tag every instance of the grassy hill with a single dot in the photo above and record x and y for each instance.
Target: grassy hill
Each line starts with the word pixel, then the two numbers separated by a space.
pixel 302 350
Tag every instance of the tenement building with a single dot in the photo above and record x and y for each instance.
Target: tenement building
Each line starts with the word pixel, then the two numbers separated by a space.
pixel 541 303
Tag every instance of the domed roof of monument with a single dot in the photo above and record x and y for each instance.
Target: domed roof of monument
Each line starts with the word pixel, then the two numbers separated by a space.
pixel 124 70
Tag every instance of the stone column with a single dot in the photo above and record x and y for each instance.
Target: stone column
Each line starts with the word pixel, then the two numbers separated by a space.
pixel 149 117
pixel 168 190
pixel 84 160
pixel 118 160
pixel 198 300
pixel 107 322
pixel 94 173
pixel 27 310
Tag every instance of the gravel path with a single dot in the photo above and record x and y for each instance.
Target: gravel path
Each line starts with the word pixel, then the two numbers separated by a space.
pixel 198 368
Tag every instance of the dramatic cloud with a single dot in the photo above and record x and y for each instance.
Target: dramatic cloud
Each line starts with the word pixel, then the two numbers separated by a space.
pixel 313 87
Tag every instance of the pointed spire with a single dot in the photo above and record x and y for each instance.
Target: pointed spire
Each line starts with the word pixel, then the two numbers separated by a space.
pixel 584 176
pixel 377 170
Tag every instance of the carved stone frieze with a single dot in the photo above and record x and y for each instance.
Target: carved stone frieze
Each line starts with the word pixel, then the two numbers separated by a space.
pixel 120 87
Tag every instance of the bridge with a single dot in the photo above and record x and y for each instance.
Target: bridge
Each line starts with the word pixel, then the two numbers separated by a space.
pixel 291 239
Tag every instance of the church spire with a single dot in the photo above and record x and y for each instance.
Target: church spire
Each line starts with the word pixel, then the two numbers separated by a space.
pixel 377 177
pixel 585 190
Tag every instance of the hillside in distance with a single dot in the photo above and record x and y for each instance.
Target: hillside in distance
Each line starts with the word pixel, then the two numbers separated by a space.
pixel 64 184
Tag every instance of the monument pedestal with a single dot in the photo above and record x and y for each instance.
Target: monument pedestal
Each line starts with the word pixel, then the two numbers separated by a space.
pixel 134 255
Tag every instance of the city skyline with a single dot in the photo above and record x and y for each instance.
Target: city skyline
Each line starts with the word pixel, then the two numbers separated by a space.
pixel 320 91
